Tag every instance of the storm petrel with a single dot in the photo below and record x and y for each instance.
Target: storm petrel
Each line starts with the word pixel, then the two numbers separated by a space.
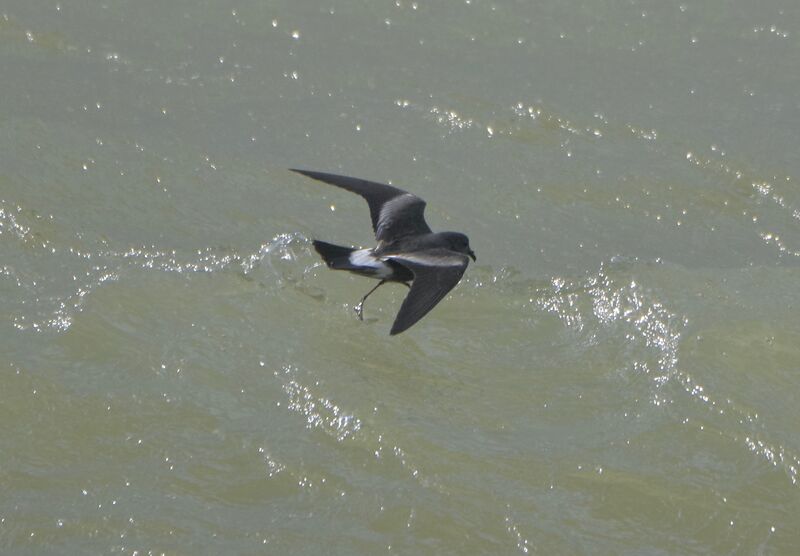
pixel 407 250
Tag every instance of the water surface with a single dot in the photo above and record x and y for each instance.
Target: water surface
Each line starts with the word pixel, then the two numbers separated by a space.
pixel 617 374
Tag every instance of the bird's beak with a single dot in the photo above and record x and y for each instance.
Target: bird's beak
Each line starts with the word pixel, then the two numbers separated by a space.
pixel 471 253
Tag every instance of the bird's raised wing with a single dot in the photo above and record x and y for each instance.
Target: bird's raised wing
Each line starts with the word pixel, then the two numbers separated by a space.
pixel 436 272
pixel 395 213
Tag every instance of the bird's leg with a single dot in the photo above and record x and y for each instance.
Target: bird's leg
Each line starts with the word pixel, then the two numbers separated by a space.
pixel 360 307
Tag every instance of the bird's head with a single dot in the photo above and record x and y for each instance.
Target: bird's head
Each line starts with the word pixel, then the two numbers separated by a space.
pixel 459 243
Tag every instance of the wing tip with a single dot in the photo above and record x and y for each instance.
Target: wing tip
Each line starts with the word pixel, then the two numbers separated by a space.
pixel 404 322
pixel 398 328
pixel 333 179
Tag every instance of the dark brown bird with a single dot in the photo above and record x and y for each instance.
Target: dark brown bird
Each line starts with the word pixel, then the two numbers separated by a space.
pixel 429 263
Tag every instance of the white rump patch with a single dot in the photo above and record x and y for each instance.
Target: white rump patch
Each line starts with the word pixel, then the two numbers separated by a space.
pixel 364 257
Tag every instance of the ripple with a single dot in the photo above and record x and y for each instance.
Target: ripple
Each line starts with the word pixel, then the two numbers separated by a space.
pixel 523 544
pixel 764 202
pixel 607 301
pixel 319 412
pixel 53 308
pixel 601 300
pixel 322 413
pixel 9 224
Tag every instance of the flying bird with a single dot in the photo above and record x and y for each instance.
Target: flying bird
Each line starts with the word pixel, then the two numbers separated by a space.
pixel 429 263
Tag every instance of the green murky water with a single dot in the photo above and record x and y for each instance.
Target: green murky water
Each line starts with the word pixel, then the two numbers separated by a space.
pixel 617 375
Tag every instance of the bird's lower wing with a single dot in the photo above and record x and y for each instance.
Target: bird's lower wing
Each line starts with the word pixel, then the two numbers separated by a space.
pixel 436 272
